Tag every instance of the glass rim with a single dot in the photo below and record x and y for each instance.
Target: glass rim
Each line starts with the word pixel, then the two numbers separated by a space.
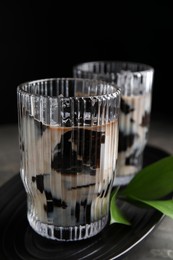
pixel 145 67
pixel 20 87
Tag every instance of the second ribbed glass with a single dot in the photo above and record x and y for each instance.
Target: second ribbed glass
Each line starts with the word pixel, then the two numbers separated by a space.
pixel 68 136
pixel 135 81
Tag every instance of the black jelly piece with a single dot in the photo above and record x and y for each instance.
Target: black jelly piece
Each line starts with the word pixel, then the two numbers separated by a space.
pixel 125 141
pixel 39 182
pixel 86 145
pixel 59 203
pixel 48 195
pixel 145 119
pixel 126 108
pixel 48 207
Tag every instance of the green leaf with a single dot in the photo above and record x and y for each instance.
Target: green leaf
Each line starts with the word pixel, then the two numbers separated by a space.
pixel 164 206
pixel 147 188
pixel 152 182
pixel 115 213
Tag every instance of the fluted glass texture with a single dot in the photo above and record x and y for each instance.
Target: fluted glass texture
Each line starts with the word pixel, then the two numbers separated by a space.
pixel 135 81
pixel 68 136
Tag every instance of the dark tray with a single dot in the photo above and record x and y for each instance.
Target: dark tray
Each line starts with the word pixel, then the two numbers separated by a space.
pixel 19 241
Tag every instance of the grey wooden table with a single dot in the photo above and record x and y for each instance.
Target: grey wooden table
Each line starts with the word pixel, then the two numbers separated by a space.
pixel 159 243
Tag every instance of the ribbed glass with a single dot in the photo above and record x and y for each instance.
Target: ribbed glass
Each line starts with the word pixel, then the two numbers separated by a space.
pixel 135 81
pixel 68 136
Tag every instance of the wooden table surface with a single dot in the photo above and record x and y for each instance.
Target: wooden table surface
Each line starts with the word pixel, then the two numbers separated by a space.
pixel 159 243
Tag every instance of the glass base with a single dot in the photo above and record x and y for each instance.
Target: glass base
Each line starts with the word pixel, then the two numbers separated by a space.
pixel 67 233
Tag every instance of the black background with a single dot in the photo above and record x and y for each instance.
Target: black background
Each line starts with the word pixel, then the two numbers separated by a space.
pixel 45 39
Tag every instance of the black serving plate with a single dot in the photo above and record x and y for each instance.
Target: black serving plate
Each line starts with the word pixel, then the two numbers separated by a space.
pixel 19 241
